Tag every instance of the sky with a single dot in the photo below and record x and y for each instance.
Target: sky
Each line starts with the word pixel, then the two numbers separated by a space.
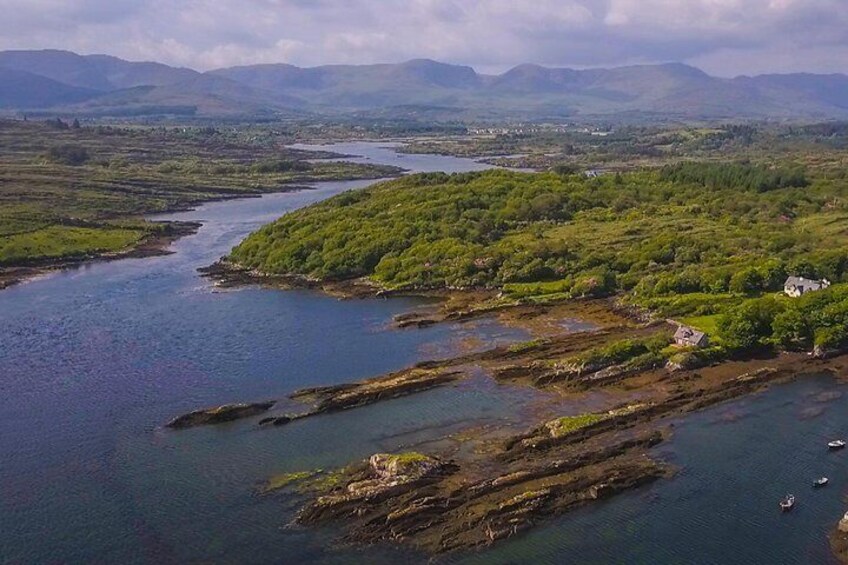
pixel 723 37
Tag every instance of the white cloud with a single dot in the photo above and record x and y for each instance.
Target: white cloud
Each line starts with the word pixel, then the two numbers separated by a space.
pixel 725 36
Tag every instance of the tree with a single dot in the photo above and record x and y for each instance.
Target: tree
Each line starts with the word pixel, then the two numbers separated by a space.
pixel 790 328
pixel 830 338
pixel 68 154
pixel 750 324
pixel 774 275
pixel 746 281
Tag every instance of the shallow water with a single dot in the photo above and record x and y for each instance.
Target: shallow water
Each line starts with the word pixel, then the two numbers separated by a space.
pixel 736 461
pixel 93 361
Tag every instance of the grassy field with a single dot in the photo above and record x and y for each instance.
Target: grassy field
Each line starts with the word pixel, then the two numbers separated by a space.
pixel 73 192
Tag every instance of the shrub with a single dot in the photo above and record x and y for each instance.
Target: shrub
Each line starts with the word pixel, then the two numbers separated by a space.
pixel 68 154
pixel 750 324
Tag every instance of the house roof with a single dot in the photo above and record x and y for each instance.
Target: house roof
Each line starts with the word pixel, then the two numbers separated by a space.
pixel 801 281
pixel 689 334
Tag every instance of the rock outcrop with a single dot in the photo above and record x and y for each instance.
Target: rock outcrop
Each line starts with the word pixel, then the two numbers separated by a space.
pixel 839 539
pixel 384 476
pixel 219 415
pixel 402 383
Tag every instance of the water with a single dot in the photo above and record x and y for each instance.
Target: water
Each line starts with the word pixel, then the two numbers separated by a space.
pixel 736 462
pixel 93 361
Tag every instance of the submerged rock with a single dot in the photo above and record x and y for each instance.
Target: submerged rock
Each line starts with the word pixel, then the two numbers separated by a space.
pixel 219 415
pixel 275 421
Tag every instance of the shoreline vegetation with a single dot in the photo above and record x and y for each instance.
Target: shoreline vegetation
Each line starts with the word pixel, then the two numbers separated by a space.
pixel 702 244
pixel 72 194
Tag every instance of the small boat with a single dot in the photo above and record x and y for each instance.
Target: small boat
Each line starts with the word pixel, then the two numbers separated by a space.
pixel 820 483
pixel 787 503
pixel 836 444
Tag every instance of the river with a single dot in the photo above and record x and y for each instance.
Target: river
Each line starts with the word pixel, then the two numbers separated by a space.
pixel 94 360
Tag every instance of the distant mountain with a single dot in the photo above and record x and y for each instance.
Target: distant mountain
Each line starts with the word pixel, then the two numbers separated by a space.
pixel 362 87
pixel 95 72
pixel 201 95
pixel 824 91
pixel 102 85
pixel 23 90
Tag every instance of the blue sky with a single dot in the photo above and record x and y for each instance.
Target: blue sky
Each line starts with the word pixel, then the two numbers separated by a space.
pixel 724 37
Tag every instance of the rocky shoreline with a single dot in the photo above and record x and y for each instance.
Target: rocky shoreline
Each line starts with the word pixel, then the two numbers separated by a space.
pixel 511 481
pixel 839 539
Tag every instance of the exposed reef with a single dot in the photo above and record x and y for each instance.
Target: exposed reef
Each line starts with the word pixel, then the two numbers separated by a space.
pixel 219 415
pixel 607 392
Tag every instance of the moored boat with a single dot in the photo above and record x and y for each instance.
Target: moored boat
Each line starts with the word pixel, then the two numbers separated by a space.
pixel 787 503
pixel 836 444
pixel 820 482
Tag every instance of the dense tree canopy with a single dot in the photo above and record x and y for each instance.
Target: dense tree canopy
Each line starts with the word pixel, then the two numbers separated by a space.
pixel 656 233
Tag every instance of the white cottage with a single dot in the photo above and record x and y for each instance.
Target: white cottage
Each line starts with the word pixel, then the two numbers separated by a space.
pixel 799 286
pixel 690 337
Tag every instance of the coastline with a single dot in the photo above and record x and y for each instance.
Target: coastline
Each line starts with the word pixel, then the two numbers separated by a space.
pixel 505 482
pixel 150 246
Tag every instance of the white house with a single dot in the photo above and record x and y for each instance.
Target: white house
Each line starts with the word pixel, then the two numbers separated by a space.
pixel 798 286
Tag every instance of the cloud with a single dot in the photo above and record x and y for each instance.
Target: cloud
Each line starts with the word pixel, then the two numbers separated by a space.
pixel 724 36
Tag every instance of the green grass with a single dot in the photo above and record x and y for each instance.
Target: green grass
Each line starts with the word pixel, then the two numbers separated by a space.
pixel 50 209
pixel 287 479
pixel 640 352
pixel 706 324
pixel 61 242
pixel 562 426
pixel 537 289
pixel 569 424
pixel 408 458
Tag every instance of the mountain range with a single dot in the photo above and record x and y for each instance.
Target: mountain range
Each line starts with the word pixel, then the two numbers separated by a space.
pixel 65 83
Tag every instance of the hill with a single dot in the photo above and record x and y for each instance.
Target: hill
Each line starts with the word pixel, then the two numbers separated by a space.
pixel 23 90
pixel 104 85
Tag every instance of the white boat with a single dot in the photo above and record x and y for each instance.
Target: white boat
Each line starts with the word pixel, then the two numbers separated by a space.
pixel 820 482
pixel 836 444
pixel 787 503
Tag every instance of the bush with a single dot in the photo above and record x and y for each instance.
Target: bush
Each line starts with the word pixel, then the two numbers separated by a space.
pixel 749 325
pixel 829 338
pixel 278 166
pixel 746 281
pixel 68 154
pixel 791 328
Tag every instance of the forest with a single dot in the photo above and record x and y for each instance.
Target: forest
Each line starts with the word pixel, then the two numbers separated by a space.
pixel 694 240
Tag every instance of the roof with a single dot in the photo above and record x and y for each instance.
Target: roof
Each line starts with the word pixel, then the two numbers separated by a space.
pixel 801 281
pixel 691 335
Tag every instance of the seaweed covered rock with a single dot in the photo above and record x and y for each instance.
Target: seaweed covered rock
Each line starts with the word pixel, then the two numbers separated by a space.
pixel 383 476
pixel 405 466
pixel 219 415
